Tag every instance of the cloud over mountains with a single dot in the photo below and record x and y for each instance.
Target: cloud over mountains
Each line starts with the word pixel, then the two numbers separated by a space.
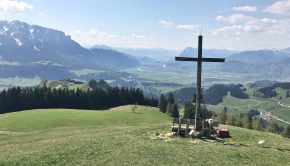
pixel 14 6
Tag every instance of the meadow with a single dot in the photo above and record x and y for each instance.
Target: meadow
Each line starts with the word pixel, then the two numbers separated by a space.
pixel 120 137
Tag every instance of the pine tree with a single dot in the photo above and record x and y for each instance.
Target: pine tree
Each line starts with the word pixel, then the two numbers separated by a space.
pixel 189 110
pixel 169 109
pixel 170 99
pixel 162 103
pixel 175 112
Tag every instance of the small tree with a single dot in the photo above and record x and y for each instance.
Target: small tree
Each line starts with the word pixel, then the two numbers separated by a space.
pixel 239 122
pixel 134 107
pixel 170 98
pixel 232 120
pixel 287 94
pixel 246 123
pixel 273 127
pixel 223 117
pixel 162 103
pixel 169 109
pixel 287 132
pixel 175 112
pixel 188 110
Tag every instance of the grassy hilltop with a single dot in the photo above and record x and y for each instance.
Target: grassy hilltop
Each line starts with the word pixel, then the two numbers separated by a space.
pixel 120 137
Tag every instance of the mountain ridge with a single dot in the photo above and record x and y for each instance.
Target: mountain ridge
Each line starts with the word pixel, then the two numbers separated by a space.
pixel 22 44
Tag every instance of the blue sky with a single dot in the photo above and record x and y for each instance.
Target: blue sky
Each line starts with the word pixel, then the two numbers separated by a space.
pixel 174 24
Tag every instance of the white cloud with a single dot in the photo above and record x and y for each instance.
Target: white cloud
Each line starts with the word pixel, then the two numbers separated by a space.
pixel 188 26
pixel 245 24
pixel 94 37
pixel 237 29
pixel 252 32
pixel 279 8
pixel 245 8
pixel 138 36
pixel 166 24
pixel 14 6
pixel 234 18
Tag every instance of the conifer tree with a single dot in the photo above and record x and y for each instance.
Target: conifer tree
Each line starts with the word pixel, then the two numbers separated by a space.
pixel 170 99
pixel 188 110
pixel 162 103
pixel 175 112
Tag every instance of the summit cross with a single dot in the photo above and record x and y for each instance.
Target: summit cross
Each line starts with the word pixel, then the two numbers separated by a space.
pixel 199 61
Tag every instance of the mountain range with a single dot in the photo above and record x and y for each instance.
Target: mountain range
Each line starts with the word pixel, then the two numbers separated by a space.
pixel 31 50
pixel 37 49
pixel 268 63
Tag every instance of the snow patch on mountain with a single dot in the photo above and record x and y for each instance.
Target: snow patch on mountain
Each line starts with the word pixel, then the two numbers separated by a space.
pixel 9 63
pixel 36 49
pixel 31 30
pixel 18 42
pixel 46 63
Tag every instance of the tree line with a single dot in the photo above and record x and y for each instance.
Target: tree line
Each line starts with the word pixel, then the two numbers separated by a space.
pixel 167 105
pixel 245 120
pixel 251 121
pixel 18 99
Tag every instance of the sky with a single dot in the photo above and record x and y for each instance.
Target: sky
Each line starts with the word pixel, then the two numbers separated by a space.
pixel 170 24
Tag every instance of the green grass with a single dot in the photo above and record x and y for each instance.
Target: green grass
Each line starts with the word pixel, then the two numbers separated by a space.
pixel 282 93
pixel 36 120
pixel 120 137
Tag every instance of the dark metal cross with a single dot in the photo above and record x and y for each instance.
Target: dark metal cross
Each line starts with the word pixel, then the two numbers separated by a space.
pixel 199 61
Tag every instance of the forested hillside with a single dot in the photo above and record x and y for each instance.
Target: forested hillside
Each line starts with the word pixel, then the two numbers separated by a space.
pixel 17 99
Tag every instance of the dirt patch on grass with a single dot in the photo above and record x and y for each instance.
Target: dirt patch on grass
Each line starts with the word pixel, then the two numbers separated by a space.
pixel 8 133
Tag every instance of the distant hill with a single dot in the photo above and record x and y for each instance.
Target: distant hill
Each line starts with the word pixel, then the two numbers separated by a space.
pixel 260 57
pixel 156 54
pixel 213 95
pixel 269 91
pixel 239 67
pixel 268 63
pixel 190 51
pixel 114 59
pixel 262 84
pixel 71 84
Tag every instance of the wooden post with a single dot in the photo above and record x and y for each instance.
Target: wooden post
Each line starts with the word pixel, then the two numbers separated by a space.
pixel 198 81
pixel 187 126
pixel 179 126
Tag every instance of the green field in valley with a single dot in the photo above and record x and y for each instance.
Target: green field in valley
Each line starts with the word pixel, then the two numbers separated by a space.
pixel 120 137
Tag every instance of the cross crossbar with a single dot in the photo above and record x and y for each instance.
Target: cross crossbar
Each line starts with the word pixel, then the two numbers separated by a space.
pixel 198 59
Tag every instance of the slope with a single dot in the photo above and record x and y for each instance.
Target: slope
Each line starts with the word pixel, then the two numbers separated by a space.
pixel 90 140
pixel 36 120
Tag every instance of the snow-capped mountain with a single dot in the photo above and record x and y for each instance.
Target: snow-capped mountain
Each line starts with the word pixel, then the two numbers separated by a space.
pixel 22 44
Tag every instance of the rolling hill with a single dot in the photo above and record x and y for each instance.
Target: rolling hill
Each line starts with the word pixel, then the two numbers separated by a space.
pixel 120 137
pixel 260 57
